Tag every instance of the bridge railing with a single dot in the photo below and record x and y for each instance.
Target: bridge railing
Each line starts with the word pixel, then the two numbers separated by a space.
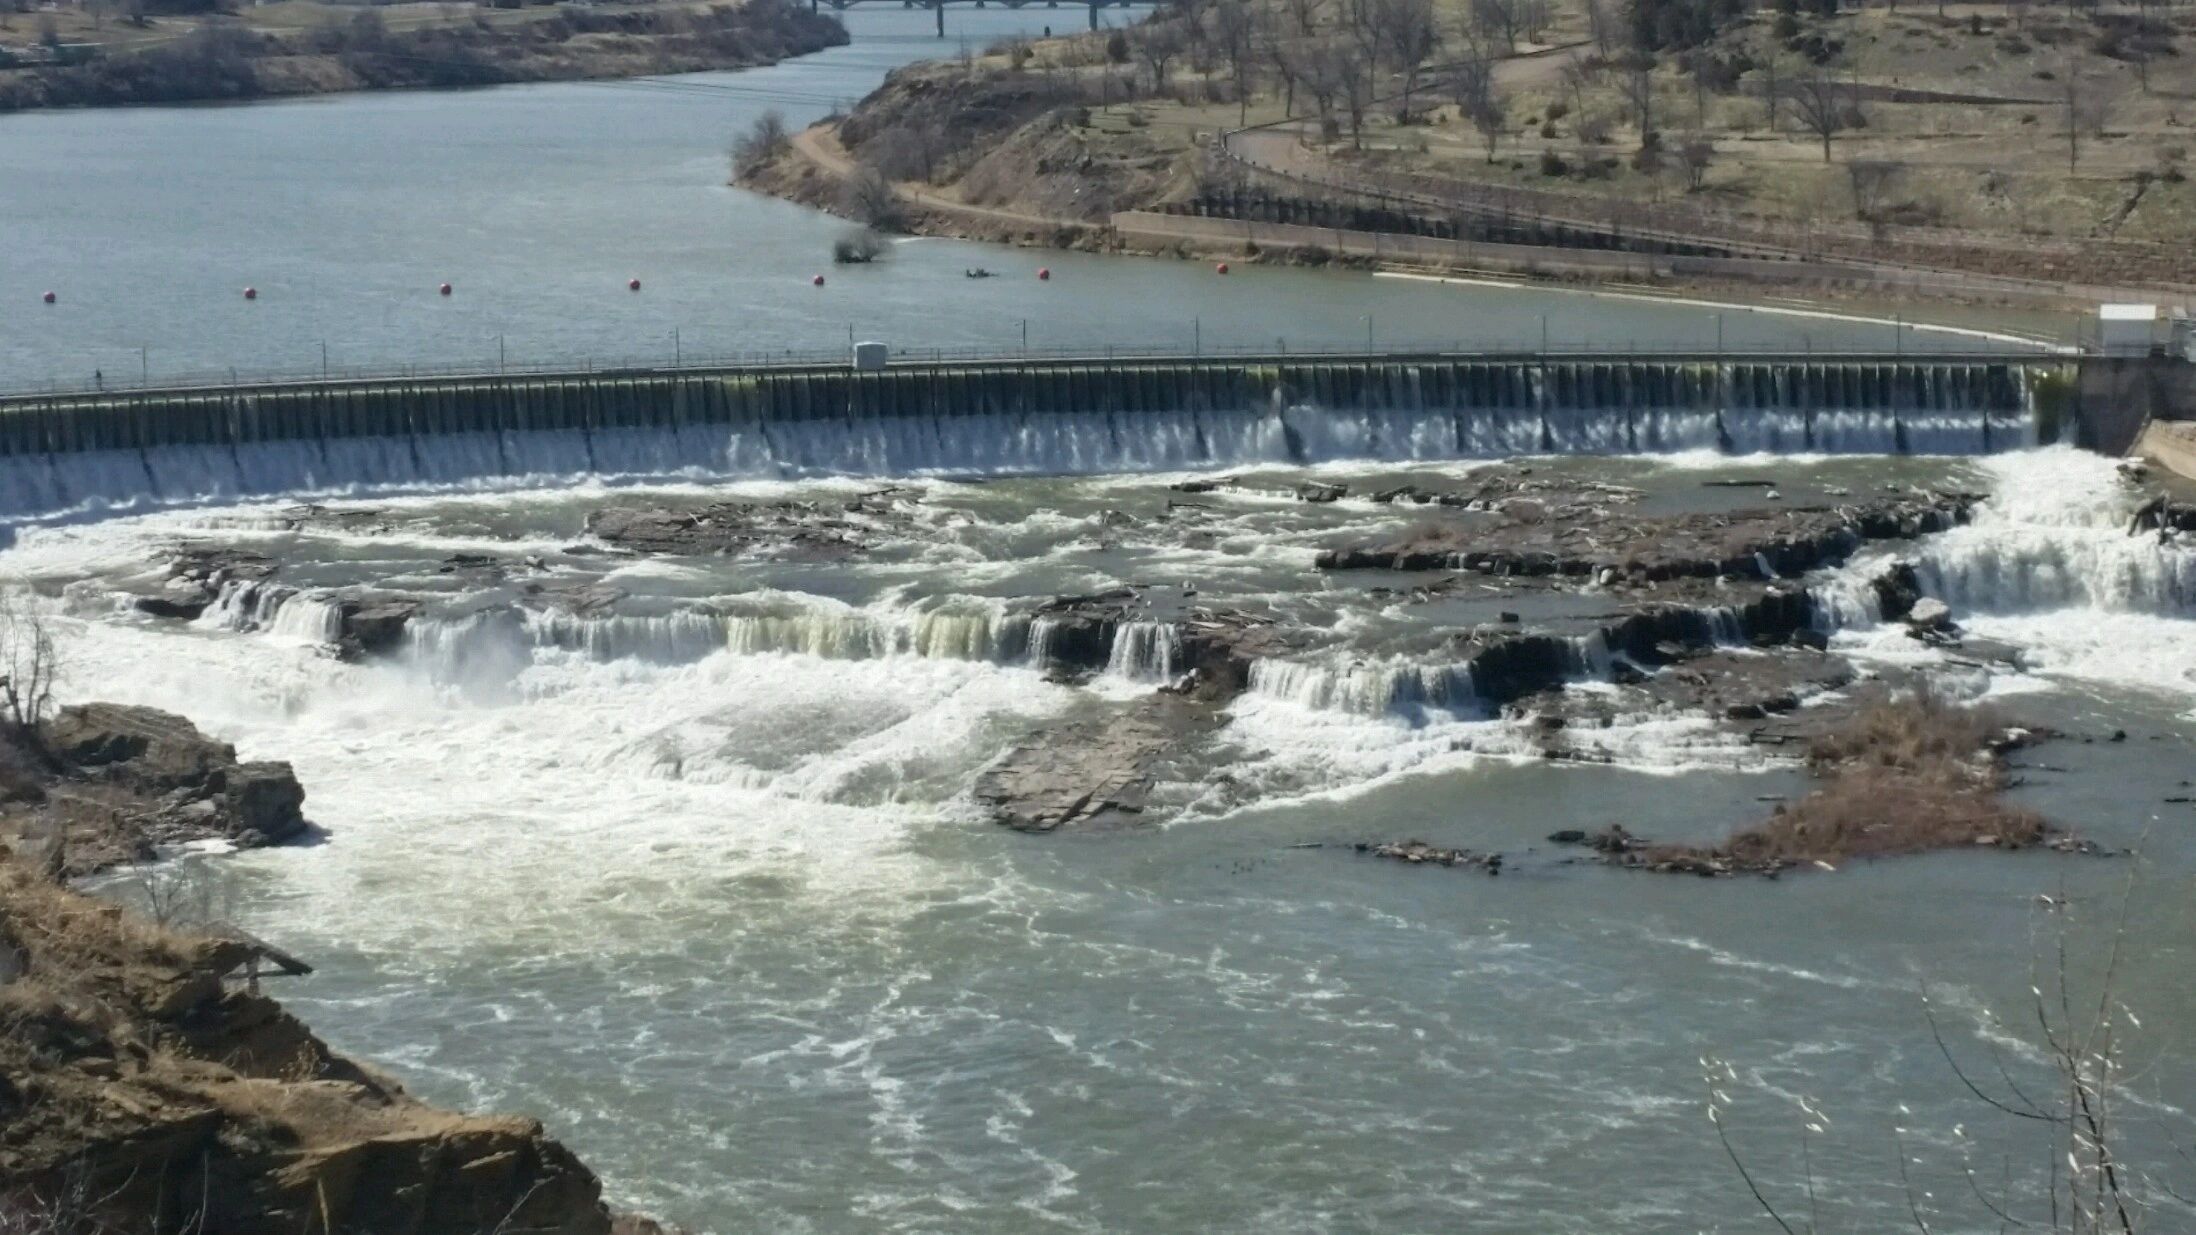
pixel 1919 343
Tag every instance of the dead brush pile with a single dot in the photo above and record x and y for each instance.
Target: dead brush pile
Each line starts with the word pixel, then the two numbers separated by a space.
pixel 1909 774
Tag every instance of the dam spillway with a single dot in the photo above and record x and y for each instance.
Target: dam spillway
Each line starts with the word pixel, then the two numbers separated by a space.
pixel 133 449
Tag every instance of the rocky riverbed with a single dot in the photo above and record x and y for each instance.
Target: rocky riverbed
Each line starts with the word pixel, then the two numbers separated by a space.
pixel 1493 590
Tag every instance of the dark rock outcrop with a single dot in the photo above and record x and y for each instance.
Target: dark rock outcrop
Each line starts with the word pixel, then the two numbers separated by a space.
pixel 372 627
pixel 140 1079
pixel 118 782
pixel 1418 852
pixel 791 531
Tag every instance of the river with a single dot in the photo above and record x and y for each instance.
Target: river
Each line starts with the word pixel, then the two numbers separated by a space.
pixel 538 204
pixel 696 876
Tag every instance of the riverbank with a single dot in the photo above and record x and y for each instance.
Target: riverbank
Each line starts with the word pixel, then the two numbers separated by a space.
pixel 236 62
pixel 146 1082
pixel 1049 144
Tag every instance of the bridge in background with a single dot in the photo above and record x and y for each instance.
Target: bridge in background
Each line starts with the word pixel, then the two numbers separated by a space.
pixel 939 6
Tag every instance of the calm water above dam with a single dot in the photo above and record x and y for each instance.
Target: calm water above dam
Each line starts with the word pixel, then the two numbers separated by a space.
pixel 538 203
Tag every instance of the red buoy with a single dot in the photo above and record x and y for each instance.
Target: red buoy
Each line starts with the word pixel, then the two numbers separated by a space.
pixel 50 297
pixel 251 293
pixel 1044 272
pixel 818 280
pixel 632 285
pixel 1222 268
pixel 445 289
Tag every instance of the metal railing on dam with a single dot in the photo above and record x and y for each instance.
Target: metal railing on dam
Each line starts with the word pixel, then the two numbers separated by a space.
pixel 1020 414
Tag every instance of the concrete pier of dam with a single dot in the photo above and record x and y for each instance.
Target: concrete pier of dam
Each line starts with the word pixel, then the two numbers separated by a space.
pixel 67 451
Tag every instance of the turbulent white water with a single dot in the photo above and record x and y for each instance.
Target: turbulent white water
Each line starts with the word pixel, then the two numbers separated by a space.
pixel 2049 564
pixel 695 875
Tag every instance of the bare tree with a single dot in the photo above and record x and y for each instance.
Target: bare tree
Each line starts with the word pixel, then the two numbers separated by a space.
pixel 1288 69
pixel 1873 183
pixel 1575 77
pixel 1498 18
pixel 1824 106
pixel 2090 103
pixel 1774 69
pixel 1637 84
pixel 1356 73
pixel 765 140
pixel 1235 27
pixel 870 200
pixel 1304 15
pixel 1157 46
pixel 1404 32
pixel 1601 26
pixel 2090 1183
pixel 1471 82
pixel 1695 155
pixel 28 666
pixel 1491 118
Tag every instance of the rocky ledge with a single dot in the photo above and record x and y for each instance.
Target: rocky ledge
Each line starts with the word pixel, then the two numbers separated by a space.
pixel 1527 539
pixel 786 531
pixel 146 1083
pixel 145 1087
pixel 103 784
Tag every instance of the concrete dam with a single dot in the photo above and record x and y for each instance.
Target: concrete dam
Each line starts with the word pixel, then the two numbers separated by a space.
pixel 145 449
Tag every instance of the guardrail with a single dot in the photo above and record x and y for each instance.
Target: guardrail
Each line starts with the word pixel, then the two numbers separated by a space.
pixel 1918 343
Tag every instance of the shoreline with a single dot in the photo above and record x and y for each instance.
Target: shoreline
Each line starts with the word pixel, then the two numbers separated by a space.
pixel 812 168
pixel 213 65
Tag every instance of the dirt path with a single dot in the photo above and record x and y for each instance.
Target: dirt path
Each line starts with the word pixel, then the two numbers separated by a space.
pixel 820 146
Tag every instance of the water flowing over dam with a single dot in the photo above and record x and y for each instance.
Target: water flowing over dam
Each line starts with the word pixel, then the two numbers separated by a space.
pixel 162 447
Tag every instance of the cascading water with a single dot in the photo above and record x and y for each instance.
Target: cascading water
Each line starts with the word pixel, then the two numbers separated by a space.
pixel 1145 651
pixel 1392 412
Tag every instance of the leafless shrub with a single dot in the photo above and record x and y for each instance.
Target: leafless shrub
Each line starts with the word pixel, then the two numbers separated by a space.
pixel 1874 184
pixel 1695 155
pixel 28 667
pixel 870 200
pixel 2079 1024
pixel 859 247
pixel 765 140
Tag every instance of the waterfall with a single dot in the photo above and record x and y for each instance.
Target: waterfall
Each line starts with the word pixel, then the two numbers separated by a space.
pixel 1308 415
pixel 245 605
pixel 494 645
pixel 1145 651
pixel 1376 689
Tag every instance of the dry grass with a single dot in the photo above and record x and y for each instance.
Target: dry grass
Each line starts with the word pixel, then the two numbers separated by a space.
pixel 1907 775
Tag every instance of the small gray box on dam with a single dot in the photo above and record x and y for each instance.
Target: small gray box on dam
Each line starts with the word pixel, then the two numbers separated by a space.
pixel 871 357
pixel 2126 329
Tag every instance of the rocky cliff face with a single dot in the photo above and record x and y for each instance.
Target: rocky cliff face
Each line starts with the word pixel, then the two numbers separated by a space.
pixel 107 784
pixel 146 1084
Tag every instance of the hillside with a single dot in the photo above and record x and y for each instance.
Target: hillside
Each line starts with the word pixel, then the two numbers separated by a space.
pixel 323 51
pixel 2000 140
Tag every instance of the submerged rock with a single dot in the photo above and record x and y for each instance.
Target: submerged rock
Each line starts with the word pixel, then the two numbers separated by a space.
pixel 795 531
pixel 1091 772
pixel 1417 852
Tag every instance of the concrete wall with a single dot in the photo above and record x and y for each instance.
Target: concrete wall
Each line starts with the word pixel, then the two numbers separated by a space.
pixel 2115 397
pixel 1756 387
